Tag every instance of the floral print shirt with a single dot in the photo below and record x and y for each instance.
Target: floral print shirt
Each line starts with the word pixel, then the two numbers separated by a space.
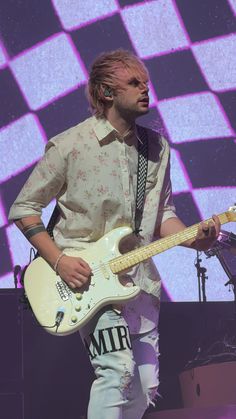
pixel 92 171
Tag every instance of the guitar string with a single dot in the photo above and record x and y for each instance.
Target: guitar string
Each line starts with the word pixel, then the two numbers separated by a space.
pixel 153 248
pixel 130 259
pixel 163 244
pixel 136 252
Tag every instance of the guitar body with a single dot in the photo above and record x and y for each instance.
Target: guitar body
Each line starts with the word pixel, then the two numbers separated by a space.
pixel 49 295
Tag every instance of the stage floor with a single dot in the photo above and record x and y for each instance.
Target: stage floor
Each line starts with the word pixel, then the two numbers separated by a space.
pixel 219 412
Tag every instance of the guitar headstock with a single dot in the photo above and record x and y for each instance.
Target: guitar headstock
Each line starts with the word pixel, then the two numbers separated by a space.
pixel 231 213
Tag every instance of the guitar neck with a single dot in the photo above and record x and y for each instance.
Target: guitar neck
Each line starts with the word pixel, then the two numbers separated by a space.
pixel 141 254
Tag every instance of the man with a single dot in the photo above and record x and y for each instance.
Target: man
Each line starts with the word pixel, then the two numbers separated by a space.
pixel 92 171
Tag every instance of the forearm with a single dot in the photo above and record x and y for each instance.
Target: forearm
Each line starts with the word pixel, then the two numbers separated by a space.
pixel 73 270
pixel 206 235
pixel 172 226
pixel 40 240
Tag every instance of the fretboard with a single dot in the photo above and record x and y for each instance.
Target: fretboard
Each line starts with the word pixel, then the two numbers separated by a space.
pixel 134 257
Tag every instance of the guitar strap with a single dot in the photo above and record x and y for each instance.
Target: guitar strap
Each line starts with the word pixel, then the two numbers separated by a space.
pixel 141 176
pixel 52 221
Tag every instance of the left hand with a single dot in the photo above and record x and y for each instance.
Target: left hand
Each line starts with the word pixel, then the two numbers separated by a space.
pixel 207 234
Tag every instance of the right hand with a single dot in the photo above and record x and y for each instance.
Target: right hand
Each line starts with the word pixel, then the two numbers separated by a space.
pixel 74 271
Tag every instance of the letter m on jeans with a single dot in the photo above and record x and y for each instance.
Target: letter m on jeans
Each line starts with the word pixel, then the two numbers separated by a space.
pixel 97 344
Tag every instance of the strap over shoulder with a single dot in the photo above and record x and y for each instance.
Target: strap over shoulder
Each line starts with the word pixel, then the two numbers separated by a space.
pixel 141 176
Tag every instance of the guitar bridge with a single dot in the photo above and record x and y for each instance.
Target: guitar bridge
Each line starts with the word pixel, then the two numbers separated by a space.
pixel 63 290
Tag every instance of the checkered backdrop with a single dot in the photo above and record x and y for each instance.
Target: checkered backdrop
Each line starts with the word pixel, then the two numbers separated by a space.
pixel 189 48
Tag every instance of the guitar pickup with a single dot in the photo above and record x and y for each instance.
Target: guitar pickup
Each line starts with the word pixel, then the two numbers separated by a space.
pixel 63 290
pixel 105 271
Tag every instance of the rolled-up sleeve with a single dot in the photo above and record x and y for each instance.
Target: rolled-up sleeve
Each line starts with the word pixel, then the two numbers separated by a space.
pixel 44 184
pixel 166 207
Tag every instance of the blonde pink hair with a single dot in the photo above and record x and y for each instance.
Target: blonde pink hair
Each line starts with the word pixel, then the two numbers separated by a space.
pixel 103 74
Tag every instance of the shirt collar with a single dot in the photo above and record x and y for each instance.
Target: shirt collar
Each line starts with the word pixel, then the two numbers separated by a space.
pixel 106 133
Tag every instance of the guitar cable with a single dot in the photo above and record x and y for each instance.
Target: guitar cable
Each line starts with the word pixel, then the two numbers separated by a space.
pixel 59 317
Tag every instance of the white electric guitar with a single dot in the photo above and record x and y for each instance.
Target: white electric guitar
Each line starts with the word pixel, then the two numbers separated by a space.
pixel 62 310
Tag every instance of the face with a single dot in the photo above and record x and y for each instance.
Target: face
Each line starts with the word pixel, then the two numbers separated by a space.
pixel 131 98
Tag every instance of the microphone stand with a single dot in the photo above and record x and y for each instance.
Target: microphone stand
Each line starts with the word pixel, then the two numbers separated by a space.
pixel 16 272
pixel 232 281
pixel 201 276
pixel 224 348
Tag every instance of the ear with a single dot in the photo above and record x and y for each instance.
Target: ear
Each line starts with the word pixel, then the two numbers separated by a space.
pixel 107 91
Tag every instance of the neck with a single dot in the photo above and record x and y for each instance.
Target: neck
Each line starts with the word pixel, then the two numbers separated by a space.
pixel 121 124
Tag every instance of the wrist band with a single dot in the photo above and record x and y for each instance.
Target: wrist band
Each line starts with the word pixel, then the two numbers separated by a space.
pixel 57 261
pixel 33 229
pixel 29 226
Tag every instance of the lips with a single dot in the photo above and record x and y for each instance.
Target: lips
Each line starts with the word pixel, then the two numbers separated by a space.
pixel 144 99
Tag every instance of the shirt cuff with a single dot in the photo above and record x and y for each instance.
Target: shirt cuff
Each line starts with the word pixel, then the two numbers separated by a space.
pixel 18 211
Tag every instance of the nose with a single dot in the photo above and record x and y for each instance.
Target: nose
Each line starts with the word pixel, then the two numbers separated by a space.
pixel 144 86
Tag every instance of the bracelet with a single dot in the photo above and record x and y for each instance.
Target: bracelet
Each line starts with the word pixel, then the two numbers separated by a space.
pixel 57 261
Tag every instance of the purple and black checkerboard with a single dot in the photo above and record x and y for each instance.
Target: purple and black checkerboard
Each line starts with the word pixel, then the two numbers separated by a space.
pixel 189 48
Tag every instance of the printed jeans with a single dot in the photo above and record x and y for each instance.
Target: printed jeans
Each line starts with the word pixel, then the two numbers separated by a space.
pixel 126 367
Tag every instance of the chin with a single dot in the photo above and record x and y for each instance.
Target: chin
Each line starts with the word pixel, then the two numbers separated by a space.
pixel 143 112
